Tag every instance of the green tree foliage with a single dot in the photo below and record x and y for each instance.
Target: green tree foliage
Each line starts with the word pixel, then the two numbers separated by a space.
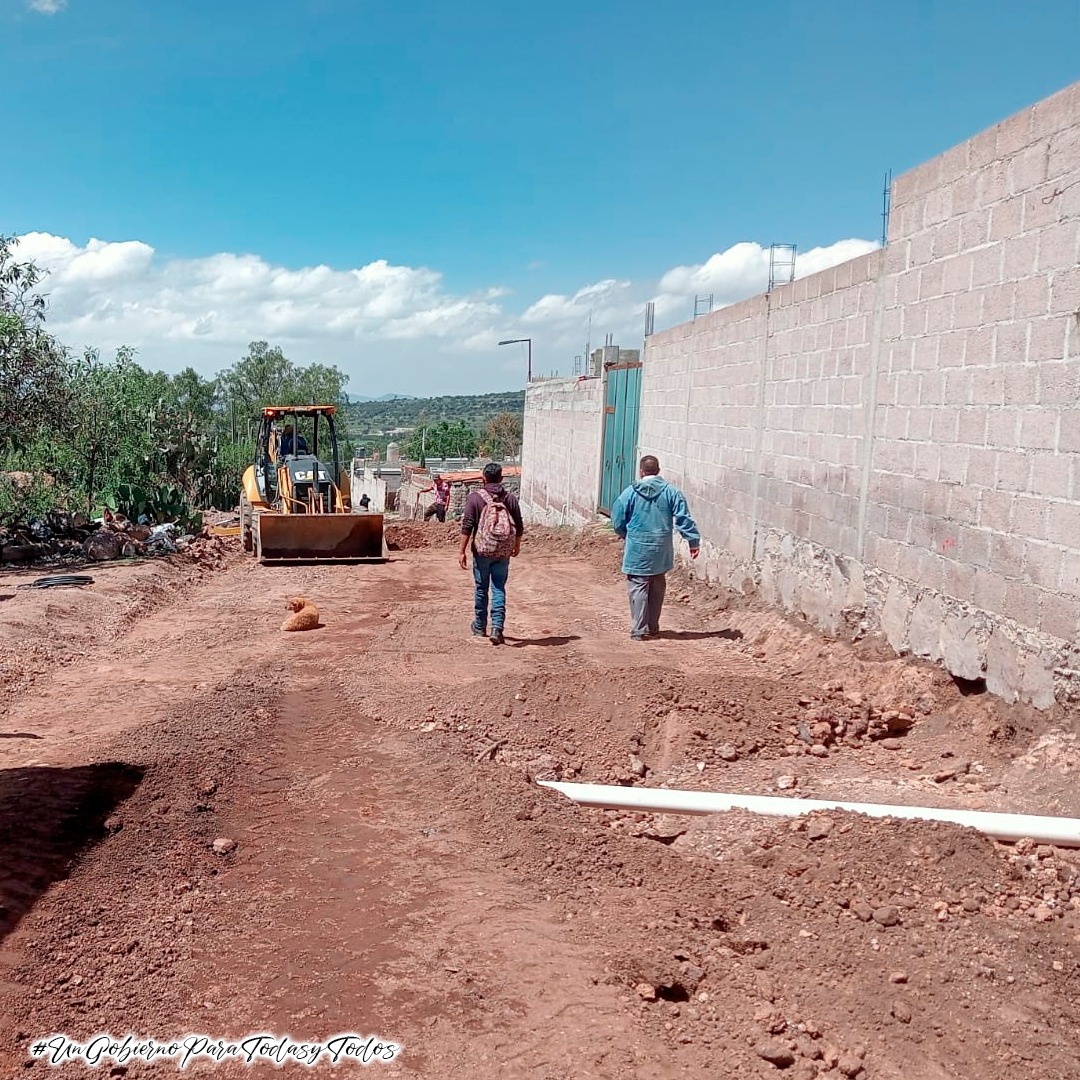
pixel 34 367
pixel 115 434
pixel 442 440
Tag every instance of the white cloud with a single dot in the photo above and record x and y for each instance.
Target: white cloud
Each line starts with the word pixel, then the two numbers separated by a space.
pixel 392 328
pixel 46 7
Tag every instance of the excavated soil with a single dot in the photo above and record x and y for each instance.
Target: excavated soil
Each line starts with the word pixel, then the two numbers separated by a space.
pixel 211 827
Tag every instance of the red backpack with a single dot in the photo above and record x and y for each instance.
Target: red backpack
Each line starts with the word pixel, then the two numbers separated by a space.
pixel 495 532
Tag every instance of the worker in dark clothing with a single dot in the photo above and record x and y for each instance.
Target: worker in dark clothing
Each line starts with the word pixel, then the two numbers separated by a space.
pixel 492 527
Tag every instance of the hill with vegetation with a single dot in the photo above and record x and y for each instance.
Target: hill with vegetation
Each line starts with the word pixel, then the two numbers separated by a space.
pixel 374 424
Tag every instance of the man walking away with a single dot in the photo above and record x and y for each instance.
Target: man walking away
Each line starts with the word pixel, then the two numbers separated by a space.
pixel 645 515
pixel 492 522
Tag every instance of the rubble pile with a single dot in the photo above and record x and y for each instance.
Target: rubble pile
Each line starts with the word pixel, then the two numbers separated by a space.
pixel 65 538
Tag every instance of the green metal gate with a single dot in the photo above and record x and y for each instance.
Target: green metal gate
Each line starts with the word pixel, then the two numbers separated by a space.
pixel 622 402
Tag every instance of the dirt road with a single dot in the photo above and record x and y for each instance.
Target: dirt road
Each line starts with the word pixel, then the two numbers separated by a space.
pixel 393 869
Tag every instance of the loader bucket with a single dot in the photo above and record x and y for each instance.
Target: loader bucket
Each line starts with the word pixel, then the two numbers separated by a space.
pixel 281 538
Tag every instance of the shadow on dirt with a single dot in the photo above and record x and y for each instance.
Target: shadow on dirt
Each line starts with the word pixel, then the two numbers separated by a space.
pixel 48 817
pixel 700 635
pixel 519 643
pixel 18 735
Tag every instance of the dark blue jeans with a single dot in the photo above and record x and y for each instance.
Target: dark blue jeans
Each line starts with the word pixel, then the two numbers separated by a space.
pixel 490 576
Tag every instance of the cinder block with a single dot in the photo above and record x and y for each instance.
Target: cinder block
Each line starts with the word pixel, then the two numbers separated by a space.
pixel 1064 152
pixel 967 309
pixel 987 265
pixel 1028 169
pixel 1010 343
pixel 1059 384
pixel 1047 340
pixel 1021 254
pixel 1021 386
pixel 1060 616
pixel 975 229
pixel 1069 582
pixel 1007 555
pixel 1050 476
pixel 958 582
pixel 945 242
pixel 992 183
pixel 1042 564
pixel 979 352
pixel 995 509
pixel 1055 113
pixel 1065 291
pixel 999 302
pixel 1002 426
pixel 989 592
pixel 1033 296
pixel 1059 244
pixel 963 506
pixel 1022 603
pixel 1013 134
pixel 1007 218
pixel 1013 471
pixel 1064 526
pixel 1069 433
pixel 1038 429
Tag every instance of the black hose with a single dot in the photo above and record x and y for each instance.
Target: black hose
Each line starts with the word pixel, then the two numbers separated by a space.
pixel 59 581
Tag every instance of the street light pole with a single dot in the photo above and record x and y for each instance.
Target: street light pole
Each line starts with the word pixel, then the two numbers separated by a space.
pixel 522 341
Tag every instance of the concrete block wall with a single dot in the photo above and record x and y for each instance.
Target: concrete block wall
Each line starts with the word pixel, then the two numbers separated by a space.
pixel 561 451
pixel 895 443
pixel 975 493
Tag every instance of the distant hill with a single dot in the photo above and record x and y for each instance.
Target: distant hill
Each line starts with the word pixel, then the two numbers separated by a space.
pixel 372 422
pixel 359 399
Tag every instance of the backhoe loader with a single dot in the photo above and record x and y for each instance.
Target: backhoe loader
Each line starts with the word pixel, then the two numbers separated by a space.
pixel 295 504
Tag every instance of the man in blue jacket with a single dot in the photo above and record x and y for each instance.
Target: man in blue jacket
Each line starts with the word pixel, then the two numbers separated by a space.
pixel 645 516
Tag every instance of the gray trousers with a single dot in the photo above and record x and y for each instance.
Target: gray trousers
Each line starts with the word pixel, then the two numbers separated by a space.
pixel 646 602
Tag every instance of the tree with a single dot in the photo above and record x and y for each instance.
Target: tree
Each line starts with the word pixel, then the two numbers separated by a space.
pixel 442 441
pixel 34 367
pixel 502 436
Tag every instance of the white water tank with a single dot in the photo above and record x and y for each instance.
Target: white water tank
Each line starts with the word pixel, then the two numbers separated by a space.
pixel 393 454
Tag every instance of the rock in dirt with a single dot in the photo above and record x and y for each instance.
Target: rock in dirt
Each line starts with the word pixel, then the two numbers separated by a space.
pixel 787 782
pixel 646 991
pixel 775 1053
pixel 819 829
pixel 727 753
pixel 637 766
pixel 887 916
pixel 902 1011
pixel 224 846
pixel 850 1066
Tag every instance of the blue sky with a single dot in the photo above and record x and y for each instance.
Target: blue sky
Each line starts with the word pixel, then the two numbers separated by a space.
pixel 477 159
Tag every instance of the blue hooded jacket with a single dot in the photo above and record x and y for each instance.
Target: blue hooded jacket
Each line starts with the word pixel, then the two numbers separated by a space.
pixel 644 515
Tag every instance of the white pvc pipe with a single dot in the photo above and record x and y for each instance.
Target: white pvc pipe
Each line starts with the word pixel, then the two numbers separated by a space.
pixel 1063 832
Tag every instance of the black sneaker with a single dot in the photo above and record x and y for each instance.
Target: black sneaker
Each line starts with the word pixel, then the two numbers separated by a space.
pixel 497 637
